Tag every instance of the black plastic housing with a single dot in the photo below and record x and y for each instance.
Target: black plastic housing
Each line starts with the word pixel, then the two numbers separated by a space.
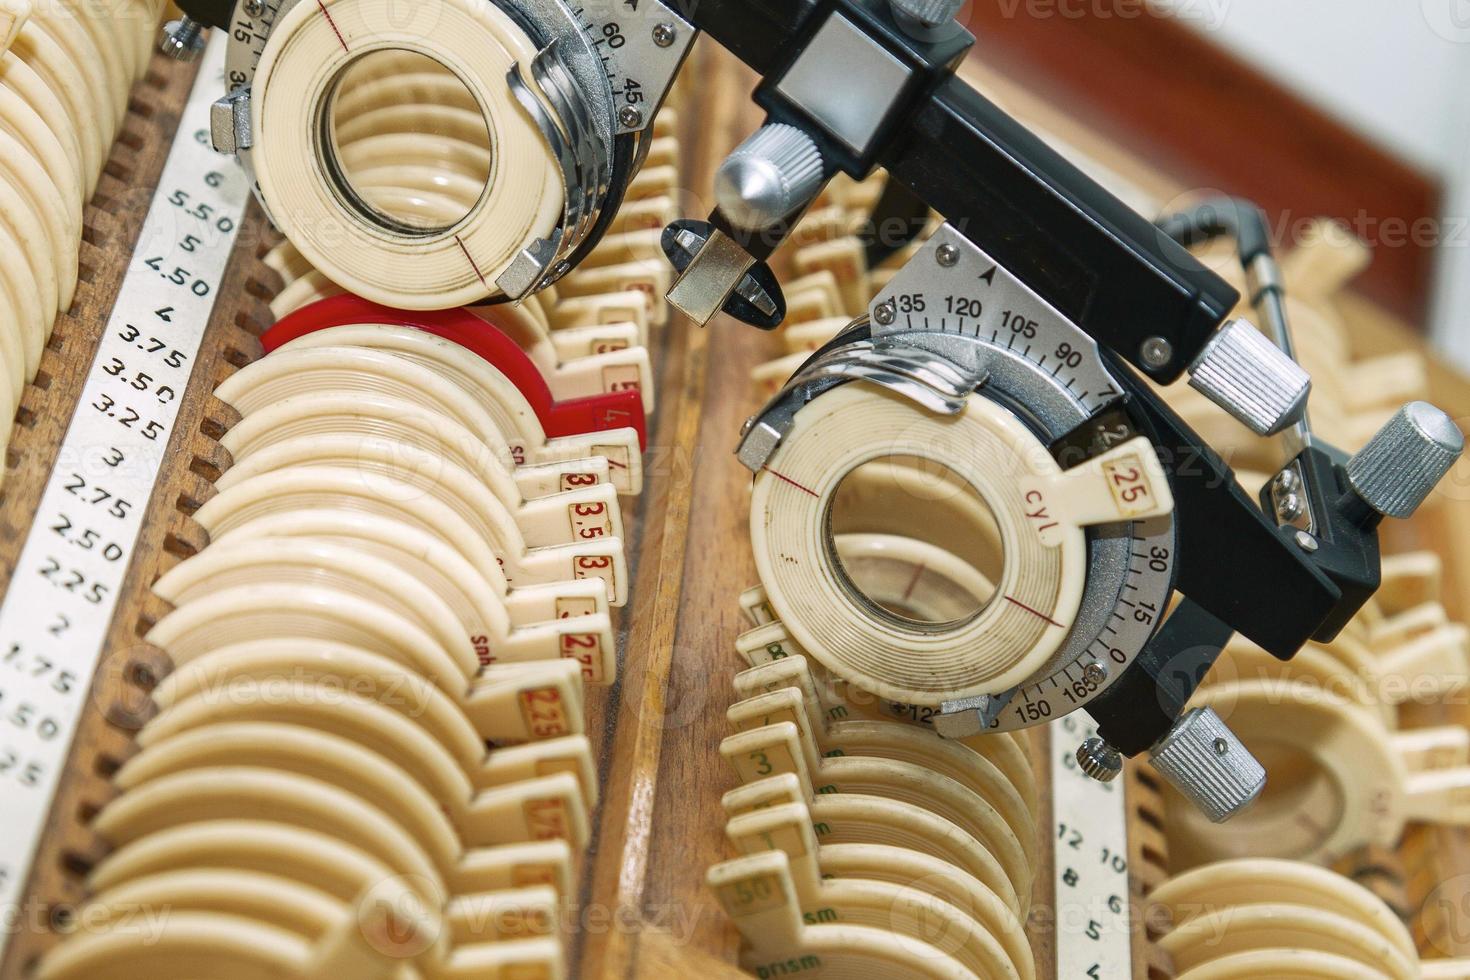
pixel 1103 265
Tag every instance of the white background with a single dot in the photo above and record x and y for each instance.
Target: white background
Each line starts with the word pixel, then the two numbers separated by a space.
pixel 1396 70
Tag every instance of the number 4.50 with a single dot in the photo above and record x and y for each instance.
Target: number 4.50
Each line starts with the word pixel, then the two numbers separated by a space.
pixel 179 276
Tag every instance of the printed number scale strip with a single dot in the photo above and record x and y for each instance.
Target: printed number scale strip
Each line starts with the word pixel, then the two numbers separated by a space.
pixel 66 586
pixel 1089 864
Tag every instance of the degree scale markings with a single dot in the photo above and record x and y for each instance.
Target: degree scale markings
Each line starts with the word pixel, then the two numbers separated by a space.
pixel 55 616
pixel 1033 330
pixel 1079 690
pixel 1002 313
pixel 638 68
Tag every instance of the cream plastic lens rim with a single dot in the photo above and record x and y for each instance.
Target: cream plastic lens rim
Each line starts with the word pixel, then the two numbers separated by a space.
pixel 914 580
pixel 758 893
pixel 1136 556
pixel 1039 509
pixel 347 175
pixel 1355 794
pixel 769 649
pixel 885 902
pixel 1254 881
pixel 855 545
pixel 779 747
pixel 308 50
pixel 902 745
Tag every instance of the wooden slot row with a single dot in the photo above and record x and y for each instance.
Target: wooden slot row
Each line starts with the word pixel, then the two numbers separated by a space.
pixel 1248 917
pixel 338 578
pixel 65 75
pixel 1424 647
pixel 1433 858
pixel 1421 876
pixel 230 344
pixel 845 815
pixel 654 732
pixel 119 702
pixel 111 222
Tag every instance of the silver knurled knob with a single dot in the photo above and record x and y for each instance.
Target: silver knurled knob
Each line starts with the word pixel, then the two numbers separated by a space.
pixel 930 13
pixel 1206 762
pixel 1243 372
pixel 1405 459
pixel 182 39
pixel 775 171
pixel 1099 760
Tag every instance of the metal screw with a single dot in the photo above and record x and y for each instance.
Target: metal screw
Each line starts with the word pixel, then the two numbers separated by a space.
pixel 1290 507
pixel 664 35
pixel 63 918
pixel 885 313
pixel 1157 352
pixel 142 675
pixel 1094 673
pixel 1286 481
pixel 1099 760
pixel 1221 746
pixel 254 8
pixel 182 39
pixel 630 117
pixel 947 255
pixel 1306 542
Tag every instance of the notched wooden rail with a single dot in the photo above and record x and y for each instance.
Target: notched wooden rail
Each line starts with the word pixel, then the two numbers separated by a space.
pixel 118 699
pixel 643 909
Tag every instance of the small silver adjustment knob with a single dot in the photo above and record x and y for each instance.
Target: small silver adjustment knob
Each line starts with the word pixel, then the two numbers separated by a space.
pixel 1404 461
pixel 1243 372
pixel 1204 760
pixel 775 171
pixel 928 13
pixel 1099 760
pixel 182 39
